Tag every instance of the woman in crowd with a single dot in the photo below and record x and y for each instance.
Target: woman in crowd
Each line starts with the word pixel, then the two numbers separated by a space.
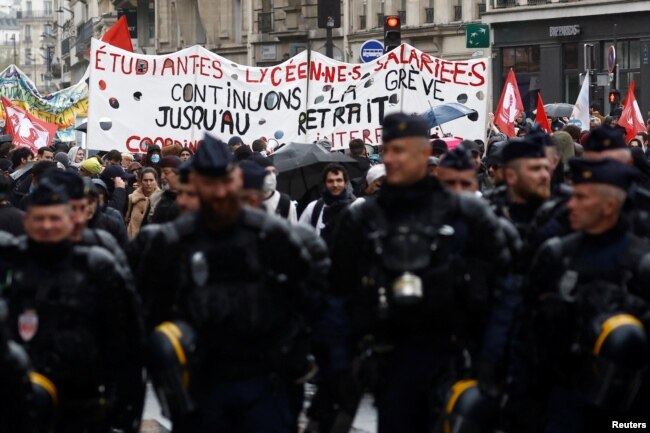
pixel 75 156
pixel 139 200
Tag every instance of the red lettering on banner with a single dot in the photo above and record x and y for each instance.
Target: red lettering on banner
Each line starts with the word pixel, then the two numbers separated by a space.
pixel 203 67
pixel 478 74
pixel 302 71
pixel 137 144
pixel 290 73
pixel 458 70
pixel 341 74
pixel 446 75
pixel 218 72
pixel 275 83
pixel 99 54
pixel 330 74
pixel 315 70
pixel 168 64
pixel 114 56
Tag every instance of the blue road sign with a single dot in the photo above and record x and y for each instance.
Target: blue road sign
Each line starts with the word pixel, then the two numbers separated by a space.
pixel 371 50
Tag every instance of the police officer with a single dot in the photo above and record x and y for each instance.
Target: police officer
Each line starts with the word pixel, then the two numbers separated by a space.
pixel 419 267
pixel 457 171
pixel 590 305
pixel 75 313
pixel 527 177
pixel 78 192
pixel 232 276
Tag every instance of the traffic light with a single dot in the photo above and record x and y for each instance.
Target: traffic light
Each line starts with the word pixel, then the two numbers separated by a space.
pixel 614 98
pixel 392 32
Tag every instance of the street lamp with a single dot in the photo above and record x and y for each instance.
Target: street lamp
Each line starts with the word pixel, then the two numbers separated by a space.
pixel 13 39
pixel 32 59
pixel 61 9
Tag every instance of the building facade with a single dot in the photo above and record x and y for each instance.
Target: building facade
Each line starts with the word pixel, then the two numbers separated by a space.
pixel 546 44
pixel 9 39
pixel 37 42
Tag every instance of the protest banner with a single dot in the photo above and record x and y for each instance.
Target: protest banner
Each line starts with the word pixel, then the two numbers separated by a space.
pixel 60 108
pixel 176 98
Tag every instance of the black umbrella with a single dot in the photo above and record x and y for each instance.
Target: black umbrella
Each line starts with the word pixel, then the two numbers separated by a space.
pixel 300 167
pixel 83 127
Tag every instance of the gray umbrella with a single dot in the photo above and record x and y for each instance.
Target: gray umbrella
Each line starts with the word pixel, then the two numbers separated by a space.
pixel 300 166
pixel 558 109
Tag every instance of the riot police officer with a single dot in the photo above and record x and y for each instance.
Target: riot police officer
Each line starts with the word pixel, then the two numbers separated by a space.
pixel 527 177
pixel 75 313
pixel 590 306
pixel 78 192
pixel 224 303
pixel 420 270
pixel 16 394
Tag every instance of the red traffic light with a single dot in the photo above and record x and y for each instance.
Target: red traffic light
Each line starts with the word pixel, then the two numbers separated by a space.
pixel 392 22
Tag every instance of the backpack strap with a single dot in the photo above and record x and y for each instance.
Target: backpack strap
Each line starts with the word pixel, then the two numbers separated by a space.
pixel 283 205
pixel 318 209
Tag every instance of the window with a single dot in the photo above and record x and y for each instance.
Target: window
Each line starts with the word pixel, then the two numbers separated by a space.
pixel 47 8
pixel 28 33
pixel 28 6
pixel 571 72
pixel 28 56
pixel 151 18
pixel 520 59
pixel 570 55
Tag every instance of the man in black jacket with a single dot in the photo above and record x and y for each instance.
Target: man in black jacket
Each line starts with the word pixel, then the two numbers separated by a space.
pixel 75 312
pixel 421 270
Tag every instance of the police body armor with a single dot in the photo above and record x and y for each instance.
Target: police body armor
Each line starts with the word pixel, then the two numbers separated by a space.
pixel 52 313
pixel 467 409
pixel 610 343
pixel 242 311
pixel 620 361
pixel 172 351
pixel 416 281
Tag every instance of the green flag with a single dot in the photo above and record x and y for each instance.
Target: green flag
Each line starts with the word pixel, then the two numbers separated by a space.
pixel 477 36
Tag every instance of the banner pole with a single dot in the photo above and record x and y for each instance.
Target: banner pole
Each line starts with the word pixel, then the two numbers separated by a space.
pixel 308 84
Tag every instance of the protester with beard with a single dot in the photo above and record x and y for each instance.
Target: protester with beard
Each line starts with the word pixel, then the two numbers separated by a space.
pixel 162 205
pixel 234 277
pixel 335 197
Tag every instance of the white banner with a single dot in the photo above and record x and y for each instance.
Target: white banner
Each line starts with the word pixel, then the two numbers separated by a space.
pixel 177 98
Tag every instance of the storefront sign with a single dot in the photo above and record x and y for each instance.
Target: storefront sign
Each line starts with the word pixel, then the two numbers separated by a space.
pixel 561 31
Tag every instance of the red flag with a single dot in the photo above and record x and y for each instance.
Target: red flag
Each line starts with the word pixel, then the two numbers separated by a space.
pixel 27 130
pixel 118 35
pixel 631 117
pixel 510 106
pixel 540 118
